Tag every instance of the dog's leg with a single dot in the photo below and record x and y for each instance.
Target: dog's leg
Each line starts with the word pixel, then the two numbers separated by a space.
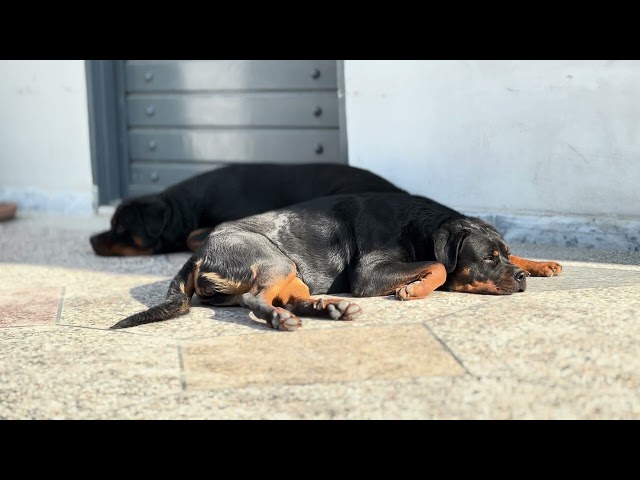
pixel 265 299
pixel 407 280
pixel 177 301
pixel 276 317
pixel 278 286
pixel 537 269
pixel 334 308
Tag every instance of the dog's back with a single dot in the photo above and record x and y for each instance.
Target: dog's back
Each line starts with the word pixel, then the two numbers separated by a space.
pixel 161 223
pixel 238 191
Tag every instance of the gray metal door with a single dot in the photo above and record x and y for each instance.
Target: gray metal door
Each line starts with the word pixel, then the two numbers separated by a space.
pixel 185 117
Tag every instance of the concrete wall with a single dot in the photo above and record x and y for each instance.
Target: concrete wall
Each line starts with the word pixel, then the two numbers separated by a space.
pixel 45 158
pixel 546 150
pixel 550 138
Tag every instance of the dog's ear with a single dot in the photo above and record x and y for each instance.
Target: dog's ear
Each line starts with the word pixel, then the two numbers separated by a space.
pixel 155 215
pixel 447 243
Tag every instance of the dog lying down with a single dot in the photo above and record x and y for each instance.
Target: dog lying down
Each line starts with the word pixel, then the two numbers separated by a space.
pixel 367 244
pixel 182 216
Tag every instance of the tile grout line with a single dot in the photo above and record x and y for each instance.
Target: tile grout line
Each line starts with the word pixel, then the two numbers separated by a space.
pixel 60 305
pixel 183 376
pixel 446 347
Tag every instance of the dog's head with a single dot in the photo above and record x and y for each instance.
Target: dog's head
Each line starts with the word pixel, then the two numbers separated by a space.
pixel 476 258
pixel 137 228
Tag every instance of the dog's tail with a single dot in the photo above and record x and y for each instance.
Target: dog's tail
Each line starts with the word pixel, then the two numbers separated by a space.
pixel 177 302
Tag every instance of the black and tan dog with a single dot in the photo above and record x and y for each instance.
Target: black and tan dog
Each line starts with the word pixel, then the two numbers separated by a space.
pixel 366 244
pixel 183 215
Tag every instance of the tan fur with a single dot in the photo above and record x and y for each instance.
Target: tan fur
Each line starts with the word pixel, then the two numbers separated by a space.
pixel 537 269
pixel 476 287
pixel 225 285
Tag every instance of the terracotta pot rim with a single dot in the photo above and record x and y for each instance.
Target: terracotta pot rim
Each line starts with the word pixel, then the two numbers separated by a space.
pixel 7 210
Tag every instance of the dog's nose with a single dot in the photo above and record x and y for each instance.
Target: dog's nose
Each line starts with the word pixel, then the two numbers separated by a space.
pixel 93 239
pixel 520 275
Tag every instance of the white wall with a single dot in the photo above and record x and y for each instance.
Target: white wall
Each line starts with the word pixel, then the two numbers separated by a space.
pixel 45 160
pixel 548 139
pixel 554 137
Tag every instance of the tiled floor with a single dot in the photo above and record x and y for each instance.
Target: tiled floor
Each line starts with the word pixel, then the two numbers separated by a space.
pixel 569 347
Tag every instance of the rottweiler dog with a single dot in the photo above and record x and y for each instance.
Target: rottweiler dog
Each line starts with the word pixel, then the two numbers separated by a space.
pixel 365 244
pixel 182 216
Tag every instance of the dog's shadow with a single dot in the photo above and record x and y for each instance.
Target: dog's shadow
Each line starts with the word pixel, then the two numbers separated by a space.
pixel 153 294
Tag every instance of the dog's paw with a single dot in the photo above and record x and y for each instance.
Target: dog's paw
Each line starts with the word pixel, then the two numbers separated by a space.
pixel 282 319
pixel 407 292
pixel 545 269
pixel 343 310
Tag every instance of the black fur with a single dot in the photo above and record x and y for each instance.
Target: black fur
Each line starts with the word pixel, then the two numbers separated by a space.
pixel 161 223
pixel 366 244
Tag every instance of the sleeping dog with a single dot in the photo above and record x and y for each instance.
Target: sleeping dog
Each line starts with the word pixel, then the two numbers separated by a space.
pixel 183 215
pixel 365 244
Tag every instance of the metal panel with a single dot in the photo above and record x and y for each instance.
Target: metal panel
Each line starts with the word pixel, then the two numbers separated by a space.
pixel 285 146
pixel 318 109
pixel 206 114
pixel 190 75
pixel 147 178
pixel 150 177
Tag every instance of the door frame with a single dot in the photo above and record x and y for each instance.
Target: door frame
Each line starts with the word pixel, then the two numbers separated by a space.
pixel 108 126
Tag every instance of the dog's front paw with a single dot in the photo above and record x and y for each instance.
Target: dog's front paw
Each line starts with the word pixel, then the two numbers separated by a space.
pixel 545 269
pixel 410 291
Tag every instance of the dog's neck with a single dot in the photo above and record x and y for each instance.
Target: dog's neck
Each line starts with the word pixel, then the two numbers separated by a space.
pixel 182 218
pixel 418 234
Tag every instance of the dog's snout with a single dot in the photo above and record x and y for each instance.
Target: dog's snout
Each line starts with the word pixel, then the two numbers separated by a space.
pixel 520 275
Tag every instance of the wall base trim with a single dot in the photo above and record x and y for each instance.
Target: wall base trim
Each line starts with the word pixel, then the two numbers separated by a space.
pixel 42 200
pixel 583 231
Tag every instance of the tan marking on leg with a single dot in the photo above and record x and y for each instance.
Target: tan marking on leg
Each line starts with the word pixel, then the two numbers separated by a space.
pixel 295 290
pixel 275 294
pixel 225 285
pixel 188 288
pixel 433 277
pixel 196 269
pixel 537 269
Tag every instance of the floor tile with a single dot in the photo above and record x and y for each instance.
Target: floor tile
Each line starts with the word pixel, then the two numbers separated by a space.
pixel 24 307
pixel 316 356
pixel 67 372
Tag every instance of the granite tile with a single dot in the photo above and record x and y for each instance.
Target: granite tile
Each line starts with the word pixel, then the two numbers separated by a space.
pixel 559 334
pixel 24 307
pixel 580 276
pixel 316 356
pixel 66 372
pixel 455 397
